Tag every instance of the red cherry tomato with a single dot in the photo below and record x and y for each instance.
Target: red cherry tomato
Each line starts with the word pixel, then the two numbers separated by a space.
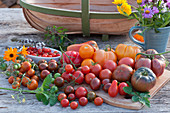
pixel 110 64
pixel 89 77
pixel 40 52
pixel 128 61
pixel 62 96
pixel 81 92
pixel 69 68
pixel 121 86
pixel 66 76
pixel 71 97
pixel 83 101
pixel 113 89
pixel 96 69
pixel 74 105
pixel 64 102
pixel 98 101
pixel 85 69
pixel 79 76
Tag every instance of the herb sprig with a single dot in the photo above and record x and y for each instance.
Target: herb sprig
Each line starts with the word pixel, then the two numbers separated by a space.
pixel 138 96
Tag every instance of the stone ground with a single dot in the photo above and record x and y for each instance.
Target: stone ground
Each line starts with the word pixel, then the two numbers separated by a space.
pixel 13 25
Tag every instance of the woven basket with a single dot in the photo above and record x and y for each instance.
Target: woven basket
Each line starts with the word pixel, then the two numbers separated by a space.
pixel 78 16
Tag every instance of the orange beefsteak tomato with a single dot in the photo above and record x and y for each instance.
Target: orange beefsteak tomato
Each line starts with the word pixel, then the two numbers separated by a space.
pixel 123 50
pixel 100 56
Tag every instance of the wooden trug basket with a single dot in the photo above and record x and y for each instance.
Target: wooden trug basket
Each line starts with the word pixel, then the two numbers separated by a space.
pixel 78 16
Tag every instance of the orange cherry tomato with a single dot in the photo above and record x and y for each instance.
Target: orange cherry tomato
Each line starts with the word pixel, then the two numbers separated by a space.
pixel 15 85
pixel 87 62
pixel 86 51
pixel 33 85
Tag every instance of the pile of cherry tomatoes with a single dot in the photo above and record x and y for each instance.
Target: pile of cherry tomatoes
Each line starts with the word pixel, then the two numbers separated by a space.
pixel 44 52
pixel 24 74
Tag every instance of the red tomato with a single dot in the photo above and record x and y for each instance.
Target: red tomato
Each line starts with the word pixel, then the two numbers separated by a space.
pixel 79 76
pixel 89 77
pixel 62 96
pixel 64 102
pixel 110 64
pixel 98 101
pixel 105 74
pixel 83 101
pixel 49 56
pixel 96 69
pixel 121 86
pixel 71 97
pixel 81 92
pixel 74 57
pixel 44 55
pixel 69 68
pixel 113 89
pixel 128 61
pixel 73 105
pixel 66 76
pixel 85 69
pixel 68 90
pixel 40 52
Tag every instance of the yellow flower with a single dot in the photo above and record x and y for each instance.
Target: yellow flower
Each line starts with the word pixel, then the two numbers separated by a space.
pixel 119 2
pixel 124 9
pixel 10 54
pixel 139 1
pixel 12 96
pixel 24 51
pixel 23 100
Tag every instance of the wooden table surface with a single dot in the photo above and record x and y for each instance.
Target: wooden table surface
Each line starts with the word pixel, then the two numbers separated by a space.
pixel 13 25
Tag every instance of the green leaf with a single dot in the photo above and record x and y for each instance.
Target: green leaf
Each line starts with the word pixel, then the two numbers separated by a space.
pixel 135 98
pixel 45 100
pixel 53 100
pixel 38 96
pixel 146 95
pixel 129 84
pixel 47 81
pixel 127 90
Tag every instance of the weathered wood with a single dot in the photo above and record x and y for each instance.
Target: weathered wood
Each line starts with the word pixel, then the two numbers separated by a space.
pixel 14 25
pixel 7 3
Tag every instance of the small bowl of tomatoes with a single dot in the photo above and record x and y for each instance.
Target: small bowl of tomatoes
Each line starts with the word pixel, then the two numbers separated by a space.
pixel 45 53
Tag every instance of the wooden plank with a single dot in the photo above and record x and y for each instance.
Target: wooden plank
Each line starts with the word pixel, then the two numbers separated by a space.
pixel 8 3
pixel 120 101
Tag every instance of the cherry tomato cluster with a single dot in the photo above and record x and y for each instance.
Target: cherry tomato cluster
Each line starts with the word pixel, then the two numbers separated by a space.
pixel 25 75
pixel 47 67
pixel 105 76
pixel 44 52
pixel 69 97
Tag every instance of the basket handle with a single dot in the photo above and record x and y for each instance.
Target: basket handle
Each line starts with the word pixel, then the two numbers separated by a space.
pixel 85 19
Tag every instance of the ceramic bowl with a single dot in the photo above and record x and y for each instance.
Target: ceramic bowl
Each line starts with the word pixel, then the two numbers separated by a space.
pixel 37 58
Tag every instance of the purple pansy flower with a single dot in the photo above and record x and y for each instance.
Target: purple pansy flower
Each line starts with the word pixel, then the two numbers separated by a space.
pixel 168 4
pixel 148 13
pixel 155 10
pixel 143 3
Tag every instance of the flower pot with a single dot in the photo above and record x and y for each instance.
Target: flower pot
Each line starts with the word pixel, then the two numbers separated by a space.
pixel 152 40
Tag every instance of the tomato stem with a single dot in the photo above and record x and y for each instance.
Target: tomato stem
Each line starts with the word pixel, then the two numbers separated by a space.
pixel 149 55
pixel 68 58
pixel 28 91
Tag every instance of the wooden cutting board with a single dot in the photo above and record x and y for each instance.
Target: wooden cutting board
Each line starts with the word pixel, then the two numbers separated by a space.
pixel 120 101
